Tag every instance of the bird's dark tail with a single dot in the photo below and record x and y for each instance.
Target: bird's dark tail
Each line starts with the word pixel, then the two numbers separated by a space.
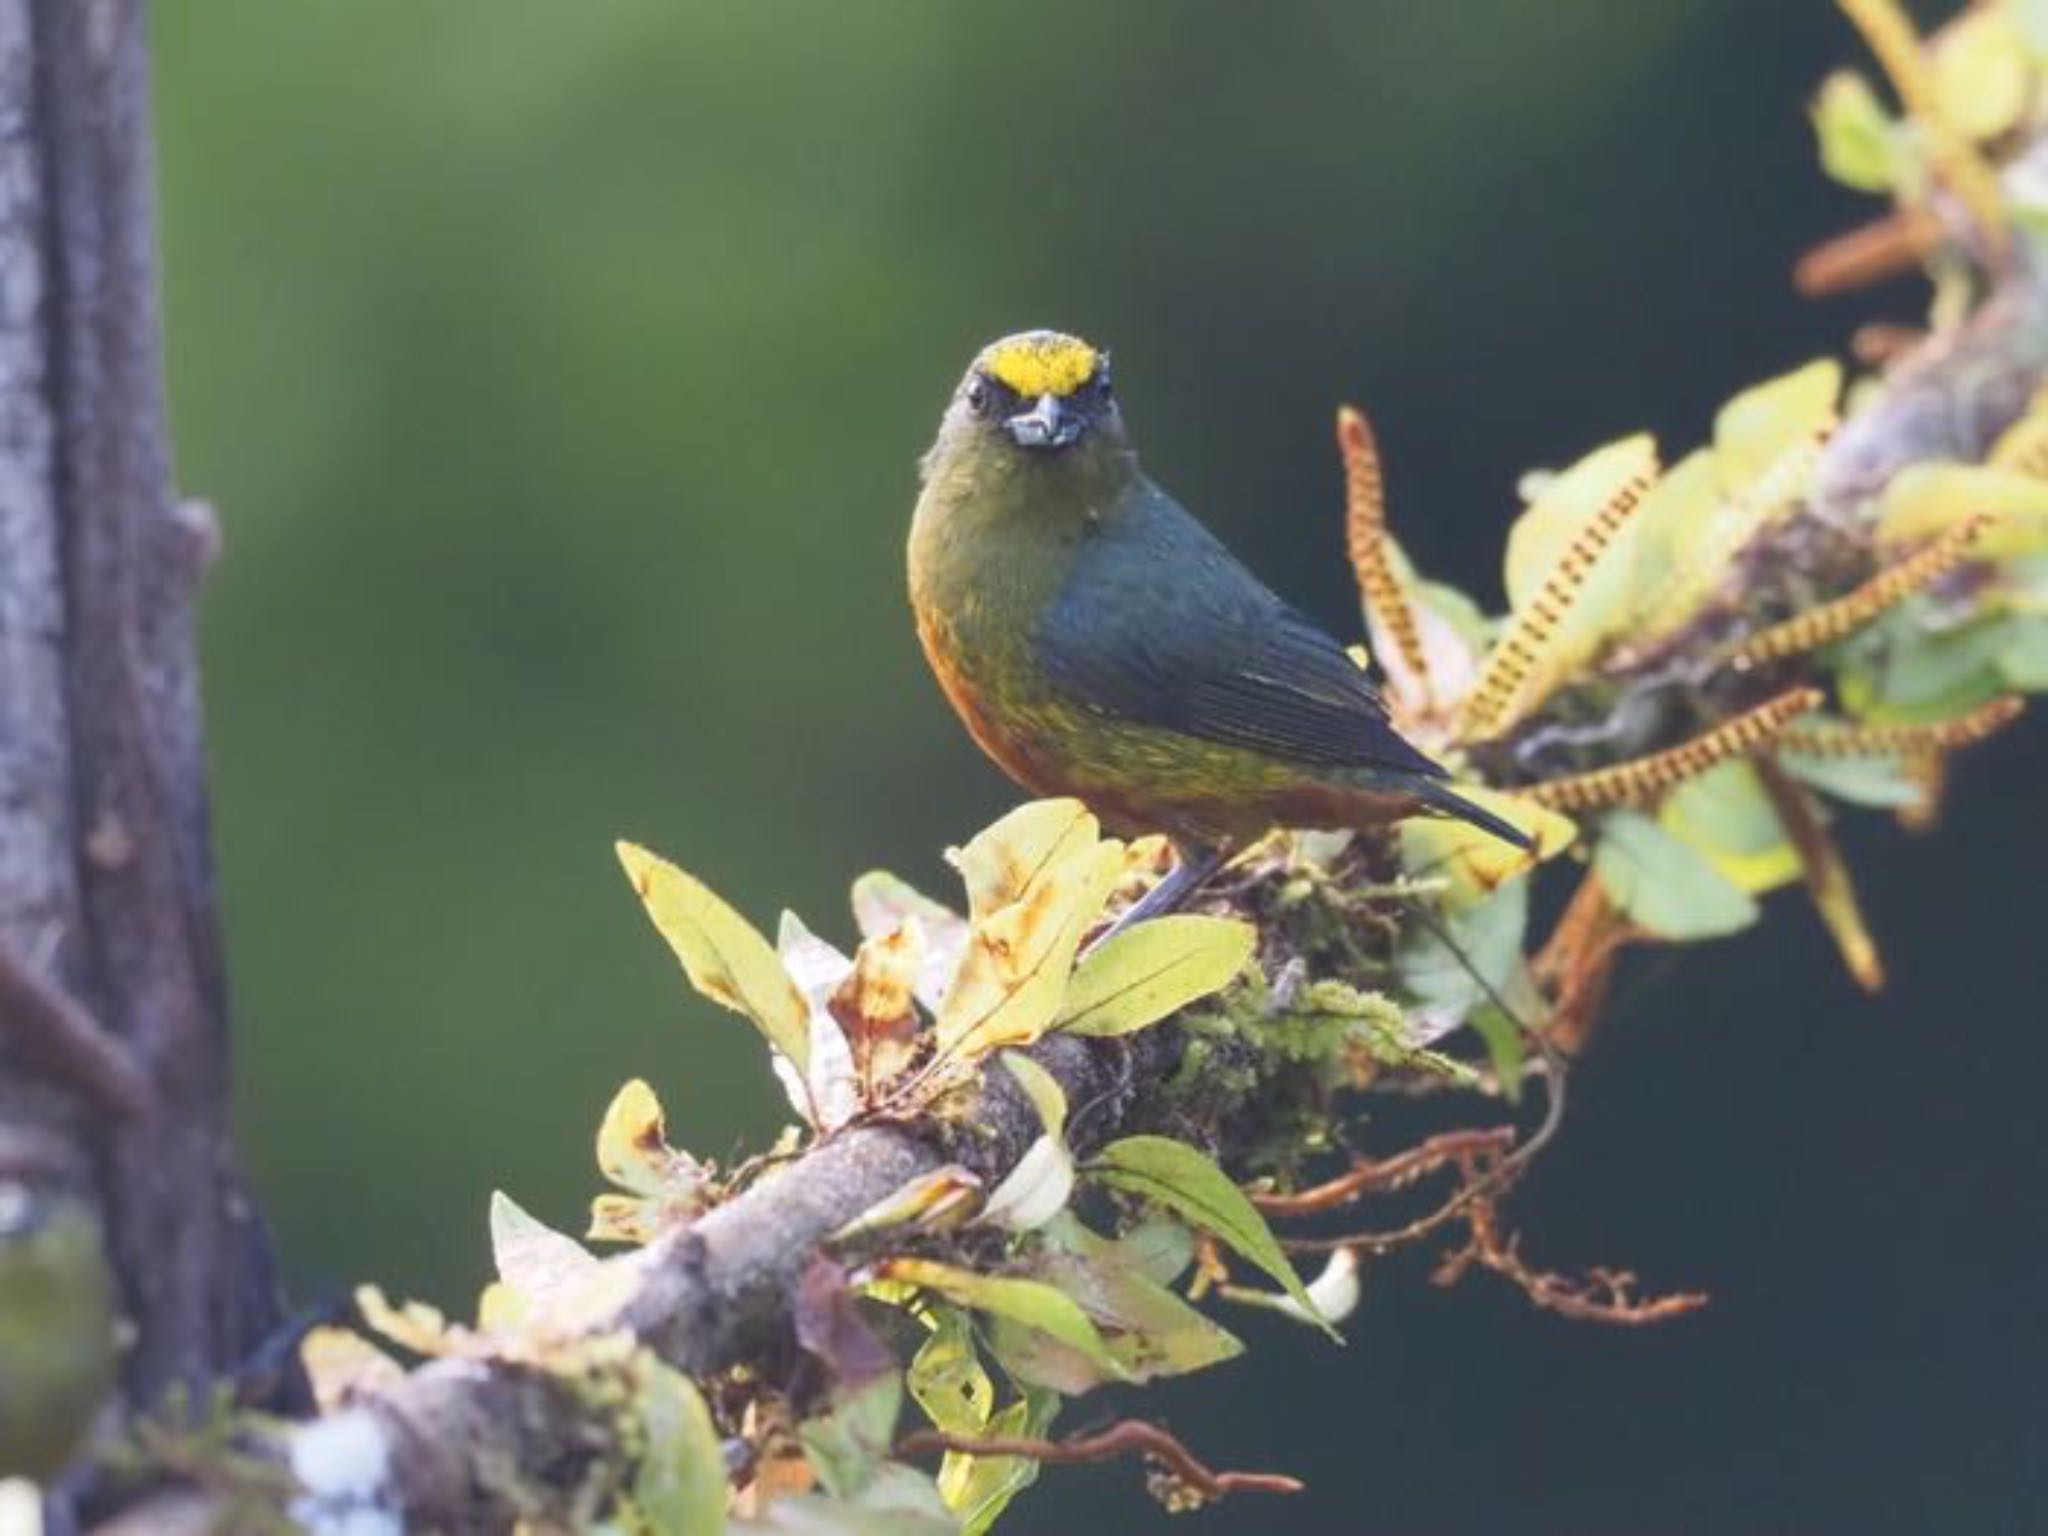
pixel 1439 796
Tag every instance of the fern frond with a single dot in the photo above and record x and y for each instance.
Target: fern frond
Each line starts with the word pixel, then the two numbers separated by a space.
pixel 1829 622
pixel 1643 779
pixel 1365 538
pixel 1512 682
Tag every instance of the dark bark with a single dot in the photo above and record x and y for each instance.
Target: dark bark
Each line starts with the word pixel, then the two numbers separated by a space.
pixel 106 878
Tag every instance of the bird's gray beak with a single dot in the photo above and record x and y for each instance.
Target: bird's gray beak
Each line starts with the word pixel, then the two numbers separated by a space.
pixel 1051 423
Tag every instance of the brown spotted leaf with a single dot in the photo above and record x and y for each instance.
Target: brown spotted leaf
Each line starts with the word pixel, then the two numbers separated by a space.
pixel 1010 856
pixel 1010 985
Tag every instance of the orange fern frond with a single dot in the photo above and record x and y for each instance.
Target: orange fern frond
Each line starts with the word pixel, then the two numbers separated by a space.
pixel 1506 690
pixel 1868 254
pixel 1645 778
pixel 1365 538
pixel 1839 739
pixel 1831 621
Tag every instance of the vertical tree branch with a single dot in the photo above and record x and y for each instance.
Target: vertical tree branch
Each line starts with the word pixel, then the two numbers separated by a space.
pixel 106 881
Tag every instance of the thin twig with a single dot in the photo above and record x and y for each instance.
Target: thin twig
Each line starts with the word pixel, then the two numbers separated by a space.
pixel 1126 1437
pixel 68 1042
pixel 1387 1174
pixel 1601 1296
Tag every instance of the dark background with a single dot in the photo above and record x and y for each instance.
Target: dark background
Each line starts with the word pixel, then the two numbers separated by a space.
pixel 559 371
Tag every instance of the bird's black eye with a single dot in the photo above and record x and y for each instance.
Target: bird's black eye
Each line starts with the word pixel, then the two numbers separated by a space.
pixel 977 398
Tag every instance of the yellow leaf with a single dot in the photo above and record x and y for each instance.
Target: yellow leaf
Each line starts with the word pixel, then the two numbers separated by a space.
pixel 667 1186
pixel 1476 862
pixel 414 1325
pixel 1148 971
pixel 1032 1303
pixel 632 1145
pixel 343 1365
pixel 1700 540
pixel 501 1308
pixel 1924 501
pixel 725 957
pixel 1566 503
pixel 2023 446
pixel 876 995
pixel 620 1219
pixel 1674 512
pixel 947 1378
pixel 1019 956
pixel 1983 78
pixel 1859 143
pixel 941 1199
pixel 1001 862
pixel 1758 426
pixel 882 903
pixel 1568 566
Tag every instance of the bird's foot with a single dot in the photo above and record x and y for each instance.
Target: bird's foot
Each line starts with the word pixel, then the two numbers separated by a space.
pixel 1193 864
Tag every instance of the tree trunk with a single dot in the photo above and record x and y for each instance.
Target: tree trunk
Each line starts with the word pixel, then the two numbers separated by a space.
pixel 113 1022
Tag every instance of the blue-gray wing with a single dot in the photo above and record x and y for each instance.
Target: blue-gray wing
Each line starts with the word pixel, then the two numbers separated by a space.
pixel 1162 626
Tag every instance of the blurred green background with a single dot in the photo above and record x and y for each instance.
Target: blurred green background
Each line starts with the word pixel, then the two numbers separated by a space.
pixel 559 371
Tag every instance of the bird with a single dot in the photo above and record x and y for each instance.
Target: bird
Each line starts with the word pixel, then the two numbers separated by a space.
pixel 1099 642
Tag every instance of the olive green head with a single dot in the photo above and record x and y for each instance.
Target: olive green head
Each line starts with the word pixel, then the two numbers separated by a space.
pixel 1036 398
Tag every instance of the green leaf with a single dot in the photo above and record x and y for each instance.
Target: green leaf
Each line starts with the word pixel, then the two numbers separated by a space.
pixel 1031 1303
pixel 1445 984
pixel 1665 886
pixel 1173 1174
pixel 2023 663
pixel 724 955
pixel 1902 671
pixel 979 1488
pixel 535 1260
pixel 1150 970
pixel 1761 423
pixel 848 1446
pixel 679 1488
pixel 1878 782
pixel 1506 1047
pixel 1725 814
pixel 1159 1248
pixel 1858 141
pixel 1152 1332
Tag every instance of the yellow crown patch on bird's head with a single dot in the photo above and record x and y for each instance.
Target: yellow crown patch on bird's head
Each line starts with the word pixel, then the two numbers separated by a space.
pixel 1040 363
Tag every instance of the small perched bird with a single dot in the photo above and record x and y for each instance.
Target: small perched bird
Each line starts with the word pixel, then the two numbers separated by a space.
pixel 1100 643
